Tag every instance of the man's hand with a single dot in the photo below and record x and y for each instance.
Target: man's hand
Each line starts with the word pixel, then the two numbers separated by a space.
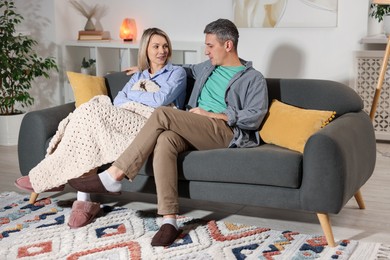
pixel 200 111
pixel 131 70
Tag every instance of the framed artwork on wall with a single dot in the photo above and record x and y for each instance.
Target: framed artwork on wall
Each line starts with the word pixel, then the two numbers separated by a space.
pixel 285 13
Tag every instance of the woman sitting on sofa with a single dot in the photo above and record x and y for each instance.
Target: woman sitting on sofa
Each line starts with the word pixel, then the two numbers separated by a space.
pixel 97 132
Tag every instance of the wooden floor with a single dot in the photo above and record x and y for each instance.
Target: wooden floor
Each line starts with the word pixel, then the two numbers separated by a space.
pixel 371 224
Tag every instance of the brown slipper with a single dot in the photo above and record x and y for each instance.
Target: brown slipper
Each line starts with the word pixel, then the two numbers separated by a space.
pixel 83 212
pixel 90 184
pixel 166 235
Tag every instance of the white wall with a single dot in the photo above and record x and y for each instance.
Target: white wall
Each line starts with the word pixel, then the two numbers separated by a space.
pixel 323 53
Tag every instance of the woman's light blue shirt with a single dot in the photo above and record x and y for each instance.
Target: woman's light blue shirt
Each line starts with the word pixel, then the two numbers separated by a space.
pixel 172 81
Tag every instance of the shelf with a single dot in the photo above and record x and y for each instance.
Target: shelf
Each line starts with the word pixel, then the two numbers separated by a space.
pixel 103 44
pixel 113 55
pixel 375 39
pixel 176 45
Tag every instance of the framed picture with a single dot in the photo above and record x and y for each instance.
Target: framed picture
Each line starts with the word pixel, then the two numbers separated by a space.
pixel 285 13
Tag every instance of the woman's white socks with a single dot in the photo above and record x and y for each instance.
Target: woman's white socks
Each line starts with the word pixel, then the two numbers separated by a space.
pixel 83 196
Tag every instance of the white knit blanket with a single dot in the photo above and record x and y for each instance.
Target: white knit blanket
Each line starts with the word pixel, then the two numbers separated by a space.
pixel 92 135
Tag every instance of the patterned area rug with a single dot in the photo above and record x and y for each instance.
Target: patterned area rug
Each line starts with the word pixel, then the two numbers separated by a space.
pixel 40 231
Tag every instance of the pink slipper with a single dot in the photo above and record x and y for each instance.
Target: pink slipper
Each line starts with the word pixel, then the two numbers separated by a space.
pixel 83 212
pixel 24 183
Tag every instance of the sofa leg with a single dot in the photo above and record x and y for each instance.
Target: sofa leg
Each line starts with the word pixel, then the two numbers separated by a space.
pixel 359 200
pixel 33 197
pixel 326 228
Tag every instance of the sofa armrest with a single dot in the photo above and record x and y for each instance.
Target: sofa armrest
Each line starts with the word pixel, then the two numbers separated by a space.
pixel 337 161
pixel 35 131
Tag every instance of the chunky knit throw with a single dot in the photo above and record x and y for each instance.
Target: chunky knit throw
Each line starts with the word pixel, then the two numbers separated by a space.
pixel 94 134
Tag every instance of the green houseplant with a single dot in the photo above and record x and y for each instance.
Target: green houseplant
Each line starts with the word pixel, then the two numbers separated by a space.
pixel 379 11
pixel 19 63
pixel 87 63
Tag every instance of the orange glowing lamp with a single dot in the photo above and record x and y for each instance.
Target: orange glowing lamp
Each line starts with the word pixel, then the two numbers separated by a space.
pixel 128 29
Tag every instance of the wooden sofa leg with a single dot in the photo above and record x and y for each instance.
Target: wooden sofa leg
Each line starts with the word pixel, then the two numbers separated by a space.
pixel 359 200
pixel 326 228
pixel 33 197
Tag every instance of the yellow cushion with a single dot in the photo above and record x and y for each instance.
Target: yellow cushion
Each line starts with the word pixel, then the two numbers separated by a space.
pixel 290 127
pixel 86 87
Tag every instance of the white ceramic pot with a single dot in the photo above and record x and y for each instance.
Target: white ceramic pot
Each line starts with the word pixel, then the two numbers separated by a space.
pixel 89 71
pixel 374 27
pixel 386 24
pixel 86 71
pixel 9 129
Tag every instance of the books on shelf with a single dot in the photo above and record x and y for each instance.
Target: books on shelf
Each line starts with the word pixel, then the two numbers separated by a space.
pixel 92 36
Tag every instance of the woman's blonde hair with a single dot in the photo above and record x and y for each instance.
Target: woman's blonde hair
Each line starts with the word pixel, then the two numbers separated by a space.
pixel 143 59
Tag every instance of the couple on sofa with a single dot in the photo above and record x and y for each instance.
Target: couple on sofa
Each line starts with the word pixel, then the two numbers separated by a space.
pixel 226 107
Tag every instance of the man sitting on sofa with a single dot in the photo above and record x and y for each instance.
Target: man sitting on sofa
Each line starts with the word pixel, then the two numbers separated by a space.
pixel 227 105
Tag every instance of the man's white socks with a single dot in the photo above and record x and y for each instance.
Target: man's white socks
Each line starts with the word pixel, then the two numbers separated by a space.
pixel 171 221
pixel 110 183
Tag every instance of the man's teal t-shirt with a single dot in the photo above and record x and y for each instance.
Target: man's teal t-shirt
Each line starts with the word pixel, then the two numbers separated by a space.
pixel 212 97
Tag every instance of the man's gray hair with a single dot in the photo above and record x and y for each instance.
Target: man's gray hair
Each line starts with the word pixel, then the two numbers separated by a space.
pixel 225 30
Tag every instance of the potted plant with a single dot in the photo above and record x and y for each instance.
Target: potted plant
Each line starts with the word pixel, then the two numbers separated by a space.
pixel 381 13
pixel 87 66
pixel 19 64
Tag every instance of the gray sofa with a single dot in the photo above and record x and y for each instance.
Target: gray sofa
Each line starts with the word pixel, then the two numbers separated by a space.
pixel 336 162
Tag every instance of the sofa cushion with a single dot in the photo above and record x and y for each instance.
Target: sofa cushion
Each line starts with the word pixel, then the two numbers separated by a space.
pixel 290 126
pixel 258 165
pixel 315 94
pixel 85 86
pixel 115 82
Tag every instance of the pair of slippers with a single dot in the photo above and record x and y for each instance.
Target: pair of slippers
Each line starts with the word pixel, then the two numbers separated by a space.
pixel 88 184
pixel 84 212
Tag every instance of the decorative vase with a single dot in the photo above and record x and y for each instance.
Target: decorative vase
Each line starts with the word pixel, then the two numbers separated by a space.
pixel 89 26
pixel 374 27
pixel 86 71
pixel 386 24
pixel 9 129
pixel 89 71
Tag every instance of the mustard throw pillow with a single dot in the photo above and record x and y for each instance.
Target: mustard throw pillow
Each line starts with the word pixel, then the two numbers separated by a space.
pixel 290 127
pixel 86 87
